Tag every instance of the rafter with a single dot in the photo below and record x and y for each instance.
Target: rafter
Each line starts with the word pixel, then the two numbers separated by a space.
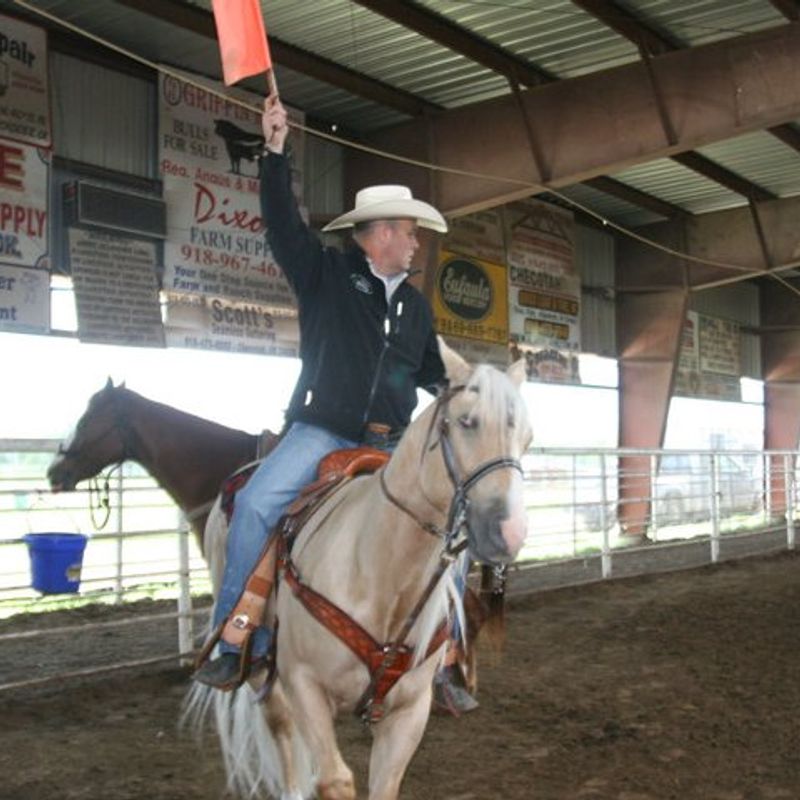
pixel 789 8
pixel 788 134
pixel 602 122
pixel 650 41
pixel 439 29
pixel 201 22
pixel 713 171
pixel 629 194
pixel 628 26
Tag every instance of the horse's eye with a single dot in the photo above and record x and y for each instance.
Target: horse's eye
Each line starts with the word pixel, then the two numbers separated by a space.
pixel 467 422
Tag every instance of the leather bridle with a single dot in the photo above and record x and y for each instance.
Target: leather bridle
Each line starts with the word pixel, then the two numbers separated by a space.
pixel 458 511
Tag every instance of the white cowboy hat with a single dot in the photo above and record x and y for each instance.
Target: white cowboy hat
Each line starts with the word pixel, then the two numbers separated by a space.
pixel 389 202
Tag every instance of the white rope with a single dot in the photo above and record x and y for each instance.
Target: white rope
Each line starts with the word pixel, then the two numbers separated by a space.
pixel 536 188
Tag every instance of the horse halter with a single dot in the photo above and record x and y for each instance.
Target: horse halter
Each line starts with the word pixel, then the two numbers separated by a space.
pixel 457 515
pixel 119 426
pixel 99 496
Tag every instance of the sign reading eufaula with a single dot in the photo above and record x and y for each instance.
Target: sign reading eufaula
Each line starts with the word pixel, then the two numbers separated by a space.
pixel 218 323
pixel 469 298
pixel 709 365
pixel 24 300
pixel 209 153
pixel 116 289
pixel 24 97
pixel 544 290
pixel 24 181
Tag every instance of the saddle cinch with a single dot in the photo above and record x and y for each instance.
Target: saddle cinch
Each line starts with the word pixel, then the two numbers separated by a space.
pixel 336 469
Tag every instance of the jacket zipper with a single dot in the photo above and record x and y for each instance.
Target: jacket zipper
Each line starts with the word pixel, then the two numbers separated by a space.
pixel 374 388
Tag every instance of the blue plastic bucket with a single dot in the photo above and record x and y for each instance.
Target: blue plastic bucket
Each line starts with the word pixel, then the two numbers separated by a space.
pixel 56 561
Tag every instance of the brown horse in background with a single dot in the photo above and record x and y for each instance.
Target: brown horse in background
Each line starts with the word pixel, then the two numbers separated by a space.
pixel 188 456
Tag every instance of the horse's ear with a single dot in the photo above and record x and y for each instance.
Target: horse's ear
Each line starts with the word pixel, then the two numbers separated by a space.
pixel 109 383
pixel 456 368
pixel 517 372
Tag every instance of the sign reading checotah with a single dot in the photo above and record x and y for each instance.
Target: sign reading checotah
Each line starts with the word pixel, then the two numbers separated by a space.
pixel 544 290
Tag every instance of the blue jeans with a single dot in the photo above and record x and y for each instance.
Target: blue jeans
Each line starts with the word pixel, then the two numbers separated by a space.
pixel 260 504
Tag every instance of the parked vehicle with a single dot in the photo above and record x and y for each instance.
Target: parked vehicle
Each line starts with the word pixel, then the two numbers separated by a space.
pixel 682 490
pixel 684 487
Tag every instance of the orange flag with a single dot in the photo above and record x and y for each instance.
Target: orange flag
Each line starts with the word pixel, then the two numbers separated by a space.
pixel 242 38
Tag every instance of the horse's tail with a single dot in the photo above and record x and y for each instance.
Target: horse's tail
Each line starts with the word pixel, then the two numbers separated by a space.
pixel 215 538
pixel 249 750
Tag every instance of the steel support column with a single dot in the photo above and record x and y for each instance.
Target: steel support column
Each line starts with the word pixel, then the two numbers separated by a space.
pixel 652 301
pixel 780 357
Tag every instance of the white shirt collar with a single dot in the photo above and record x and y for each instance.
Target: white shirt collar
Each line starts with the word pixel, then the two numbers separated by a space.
pixel 390 282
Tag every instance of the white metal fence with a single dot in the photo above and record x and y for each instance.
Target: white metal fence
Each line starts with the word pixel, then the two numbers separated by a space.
pixel 702 506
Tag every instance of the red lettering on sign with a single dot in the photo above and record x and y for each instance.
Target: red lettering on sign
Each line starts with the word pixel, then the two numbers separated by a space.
pixel 11 163
pixel 208 207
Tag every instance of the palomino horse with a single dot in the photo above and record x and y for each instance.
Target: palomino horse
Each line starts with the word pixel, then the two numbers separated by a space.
pixel 372 549
pixel 188 456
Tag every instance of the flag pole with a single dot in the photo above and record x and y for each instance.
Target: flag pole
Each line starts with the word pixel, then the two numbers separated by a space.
pixel 272 84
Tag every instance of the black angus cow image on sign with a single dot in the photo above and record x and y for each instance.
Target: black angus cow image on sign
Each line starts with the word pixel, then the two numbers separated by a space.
pixel 239 143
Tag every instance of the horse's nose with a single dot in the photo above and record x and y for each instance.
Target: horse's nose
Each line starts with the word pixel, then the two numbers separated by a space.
pixel 514 531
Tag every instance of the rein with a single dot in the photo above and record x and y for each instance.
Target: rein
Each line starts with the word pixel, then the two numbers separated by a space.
pixel 100 498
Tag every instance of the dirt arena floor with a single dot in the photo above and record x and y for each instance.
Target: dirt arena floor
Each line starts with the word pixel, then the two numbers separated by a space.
pixel 683 686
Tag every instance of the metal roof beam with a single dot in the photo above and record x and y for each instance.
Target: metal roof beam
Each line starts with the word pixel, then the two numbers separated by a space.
pixel 439 29
pixel 629 194
pixel 201 22
pixel 789 8
pixel 628 26
pixel 601 122
pixel 730 180
pixel 650 41
pixel 788 134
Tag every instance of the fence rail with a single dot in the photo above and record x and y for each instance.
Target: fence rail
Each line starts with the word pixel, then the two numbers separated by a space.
pixel 701 507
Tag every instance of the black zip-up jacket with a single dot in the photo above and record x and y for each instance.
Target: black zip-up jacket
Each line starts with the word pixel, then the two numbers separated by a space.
pixel 362 359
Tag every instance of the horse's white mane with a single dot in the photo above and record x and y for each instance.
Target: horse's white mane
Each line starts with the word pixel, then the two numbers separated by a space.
pixel 497 397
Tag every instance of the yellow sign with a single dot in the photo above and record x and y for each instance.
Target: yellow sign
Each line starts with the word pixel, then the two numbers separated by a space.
pixel 470 298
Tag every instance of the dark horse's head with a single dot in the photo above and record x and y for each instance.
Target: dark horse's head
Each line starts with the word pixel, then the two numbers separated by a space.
pixel 99 439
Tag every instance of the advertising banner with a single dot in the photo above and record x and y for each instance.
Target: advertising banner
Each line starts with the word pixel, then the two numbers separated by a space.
pixel 24 300
pixel 217 323
pixel 24 184
pixel 24 95
pixel 470 300
pixel 479 235
pixel 544 291
pixel 116 289
pixel 209 151
pixel 709 365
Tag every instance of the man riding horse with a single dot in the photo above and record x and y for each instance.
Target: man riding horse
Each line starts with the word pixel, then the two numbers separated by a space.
pixel 367 343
